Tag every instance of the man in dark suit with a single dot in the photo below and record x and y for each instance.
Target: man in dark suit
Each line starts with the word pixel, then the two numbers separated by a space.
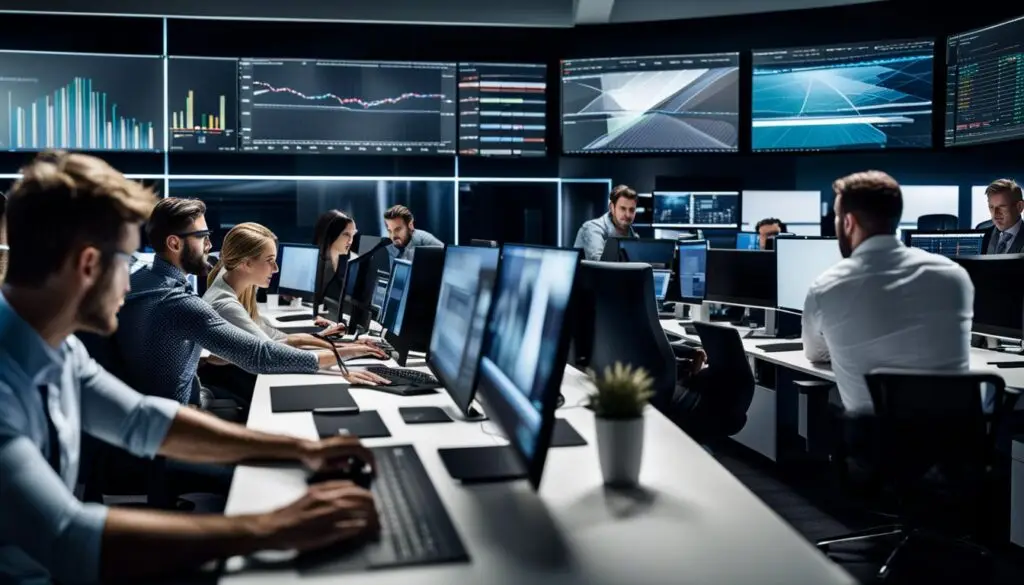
pixel 1005 203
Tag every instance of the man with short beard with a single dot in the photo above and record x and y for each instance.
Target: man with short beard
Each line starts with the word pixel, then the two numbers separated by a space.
pixel 618 222
pixel 884 305
pixel 165 324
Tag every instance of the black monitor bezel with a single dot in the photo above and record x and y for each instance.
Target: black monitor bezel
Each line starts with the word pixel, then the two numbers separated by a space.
pixel 754 303
pixel 679 268
pixel 986 328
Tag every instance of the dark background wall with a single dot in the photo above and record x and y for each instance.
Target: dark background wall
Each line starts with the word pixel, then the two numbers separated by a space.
pixel 531 203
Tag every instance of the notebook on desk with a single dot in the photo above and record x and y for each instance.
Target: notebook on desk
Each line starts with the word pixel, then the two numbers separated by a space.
pixel 307 398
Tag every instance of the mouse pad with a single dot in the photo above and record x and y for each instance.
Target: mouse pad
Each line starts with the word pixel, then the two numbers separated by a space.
pixel 413 415
pixel 565 435
pixel 306 398
pixel 365 425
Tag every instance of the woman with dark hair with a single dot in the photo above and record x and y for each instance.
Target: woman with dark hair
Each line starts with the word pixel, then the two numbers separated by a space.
pixel 333 234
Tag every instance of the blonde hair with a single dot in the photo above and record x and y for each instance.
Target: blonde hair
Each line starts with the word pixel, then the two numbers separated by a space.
pixel 243 242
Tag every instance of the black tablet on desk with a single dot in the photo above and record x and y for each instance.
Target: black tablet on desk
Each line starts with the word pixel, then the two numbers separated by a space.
pixel 307 398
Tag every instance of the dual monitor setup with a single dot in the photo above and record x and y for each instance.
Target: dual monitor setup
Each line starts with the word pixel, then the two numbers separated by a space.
pixel 778 279
pixel 869 95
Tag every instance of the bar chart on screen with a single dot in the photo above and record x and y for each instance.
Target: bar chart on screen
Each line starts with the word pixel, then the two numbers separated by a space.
pixel 80 102
pixel 202 96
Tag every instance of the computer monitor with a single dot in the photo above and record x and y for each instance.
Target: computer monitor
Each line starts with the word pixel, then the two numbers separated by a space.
pixel 415 320
pixel 394 298
pixel 696 209
pixel 366 242
pixel 741 277
pixel 360 283
pixel 463 303
pixel 692 270
pixel 377 301
pixel 662 279
pixel 748 241
pixel 948 243
pixel 656 252
pixel 525 346
pixel 333 289
pixel 298 264
pixel 998 293
pixel 799 262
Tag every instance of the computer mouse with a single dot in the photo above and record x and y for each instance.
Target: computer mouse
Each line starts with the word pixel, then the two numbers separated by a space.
pixel 358 472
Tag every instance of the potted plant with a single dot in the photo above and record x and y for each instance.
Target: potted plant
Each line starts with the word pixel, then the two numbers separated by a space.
pixel 618 402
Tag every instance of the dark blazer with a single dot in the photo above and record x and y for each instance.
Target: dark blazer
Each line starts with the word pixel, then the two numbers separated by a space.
pixel 992 240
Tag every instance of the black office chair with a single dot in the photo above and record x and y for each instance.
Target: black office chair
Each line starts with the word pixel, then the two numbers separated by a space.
pixel 937 222
pixel 985 225
pixel 927 439
pixel 716 402
pixel 616 320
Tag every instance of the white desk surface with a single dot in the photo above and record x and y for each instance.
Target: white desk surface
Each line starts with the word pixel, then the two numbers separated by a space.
pixel 796 360
pixel 692 523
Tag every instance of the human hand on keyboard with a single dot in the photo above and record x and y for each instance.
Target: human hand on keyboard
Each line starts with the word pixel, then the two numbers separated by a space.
pixel 329 512
pixel 332 453
pixel 330 327
pixel 356 350
pixel 364 377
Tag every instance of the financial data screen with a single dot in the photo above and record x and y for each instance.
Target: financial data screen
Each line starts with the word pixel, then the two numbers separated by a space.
pixel 202 104
pixel 347 107
pixel 81 102
pixel 502 109
pixel 705 209
pixel 949 244
pixel 677 103
pixel 985 85
pixel 843 97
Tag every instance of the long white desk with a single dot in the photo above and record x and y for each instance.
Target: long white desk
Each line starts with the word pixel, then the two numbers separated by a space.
pixel 796 360
pixel 692 522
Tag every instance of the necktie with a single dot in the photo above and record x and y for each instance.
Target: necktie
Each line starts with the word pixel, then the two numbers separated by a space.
pixel 54 457
pixel 1004 242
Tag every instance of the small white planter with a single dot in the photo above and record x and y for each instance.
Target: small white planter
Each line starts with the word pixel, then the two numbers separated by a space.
pixel 620 449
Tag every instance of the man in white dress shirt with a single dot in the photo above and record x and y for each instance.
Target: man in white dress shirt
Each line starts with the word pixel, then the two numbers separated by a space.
pixel 884 305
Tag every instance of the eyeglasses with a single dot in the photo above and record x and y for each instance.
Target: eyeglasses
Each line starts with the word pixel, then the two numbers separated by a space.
pixel 198 234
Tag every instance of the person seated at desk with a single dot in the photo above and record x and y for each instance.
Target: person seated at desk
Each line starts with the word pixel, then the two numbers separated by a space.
pixel 73 279
pixel 402 230
pixel 884 305
pixel 593 234
pixel 248 260
pixel 165 324
pixel 768 227
pixel 1005 205
pixel 333 235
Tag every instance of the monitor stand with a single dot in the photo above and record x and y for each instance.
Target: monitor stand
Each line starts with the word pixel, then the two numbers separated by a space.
pixel 483 464
pixel 474 413
pixel 770 329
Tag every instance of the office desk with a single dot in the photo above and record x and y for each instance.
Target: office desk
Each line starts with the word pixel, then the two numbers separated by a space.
pixel 692 522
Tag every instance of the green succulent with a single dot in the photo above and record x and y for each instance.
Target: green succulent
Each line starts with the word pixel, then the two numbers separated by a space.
pixel 622 393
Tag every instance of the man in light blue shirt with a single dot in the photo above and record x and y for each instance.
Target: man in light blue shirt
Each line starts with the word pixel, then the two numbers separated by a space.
pixel 74 279
pixel 618 222
pixel 405 238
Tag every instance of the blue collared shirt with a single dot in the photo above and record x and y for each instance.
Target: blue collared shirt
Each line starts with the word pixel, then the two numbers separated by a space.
pixel 417 239
pixel 45 532
pixel 594 233
pixel 164 325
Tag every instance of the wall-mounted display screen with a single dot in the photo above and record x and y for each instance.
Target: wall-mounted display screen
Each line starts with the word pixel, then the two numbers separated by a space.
pixel 347 107
pixel 985 85
pixel 704 209
pixel 502 109
pixel 202 104
pixel 680 103
pixel 81 102
pixel 843 97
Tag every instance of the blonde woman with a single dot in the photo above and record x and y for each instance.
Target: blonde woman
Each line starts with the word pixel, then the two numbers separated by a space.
pixel 248 260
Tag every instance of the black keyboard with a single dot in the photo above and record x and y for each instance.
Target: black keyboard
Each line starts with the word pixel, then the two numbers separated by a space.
pixel 774 347
pixel 414 526
pixel 296 317
pixel 403 376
